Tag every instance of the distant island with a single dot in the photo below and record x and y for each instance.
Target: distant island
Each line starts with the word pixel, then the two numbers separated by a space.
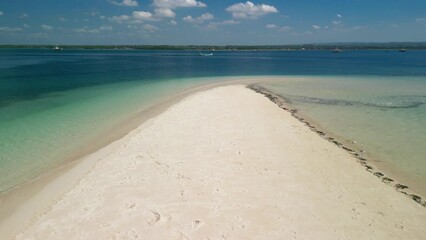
pixel 289 47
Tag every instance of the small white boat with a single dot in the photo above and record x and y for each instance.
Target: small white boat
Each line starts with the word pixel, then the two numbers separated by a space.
pixel 337 50
pixel 205 54
pixel 57 48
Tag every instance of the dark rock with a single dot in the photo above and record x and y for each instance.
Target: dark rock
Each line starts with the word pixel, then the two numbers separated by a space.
pixel 321 133
pixel 368 168
pixel 400 186
pixel 387 180
pixel 348 149
pixel 416 198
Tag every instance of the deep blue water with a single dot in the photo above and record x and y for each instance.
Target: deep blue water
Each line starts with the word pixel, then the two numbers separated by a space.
pixel 27 74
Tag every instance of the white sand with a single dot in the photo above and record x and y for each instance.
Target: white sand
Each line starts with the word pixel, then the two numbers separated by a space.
pixel 229 164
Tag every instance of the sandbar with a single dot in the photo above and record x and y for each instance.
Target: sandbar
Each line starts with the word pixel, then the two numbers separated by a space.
pixel 227 163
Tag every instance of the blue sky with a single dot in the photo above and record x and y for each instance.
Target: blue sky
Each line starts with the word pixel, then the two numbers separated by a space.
pixel 210 21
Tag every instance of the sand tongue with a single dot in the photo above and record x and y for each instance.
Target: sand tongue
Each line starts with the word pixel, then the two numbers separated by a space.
pixel 229 164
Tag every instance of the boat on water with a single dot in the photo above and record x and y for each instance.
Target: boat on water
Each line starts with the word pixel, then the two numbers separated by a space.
pixel 402 50
pixel 336 50
pixel 57 48
pixel 205 54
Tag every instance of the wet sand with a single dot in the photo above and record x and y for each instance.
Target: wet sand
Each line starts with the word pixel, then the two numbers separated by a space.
pixel 366 159
pixel 227 163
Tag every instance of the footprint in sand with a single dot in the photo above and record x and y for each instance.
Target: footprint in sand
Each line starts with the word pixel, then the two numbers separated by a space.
pixel 197 224
pixel 130 205
pixel 132 234
pixel 157 218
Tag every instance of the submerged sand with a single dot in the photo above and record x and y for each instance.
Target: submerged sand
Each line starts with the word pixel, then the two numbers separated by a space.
pixel 228 164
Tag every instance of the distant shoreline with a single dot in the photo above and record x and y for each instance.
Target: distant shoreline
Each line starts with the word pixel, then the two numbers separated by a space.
pixel 285 47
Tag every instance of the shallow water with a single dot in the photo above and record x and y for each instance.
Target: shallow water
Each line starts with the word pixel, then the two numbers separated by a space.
pixel 385 116
pixel 43 134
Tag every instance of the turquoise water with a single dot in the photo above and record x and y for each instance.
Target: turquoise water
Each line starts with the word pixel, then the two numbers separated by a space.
pixel 42 134
pixel 53 104
pixel 384 116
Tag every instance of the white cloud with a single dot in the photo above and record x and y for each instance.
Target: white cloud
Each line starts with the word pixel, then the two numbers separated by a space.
pixel 173 22
pixel 162 9
pixel 24 15
pixel 119 19
pixel 26 26
pixel 10 29
pixel 150 27
pixel 204 17
pixel 164 13
pixel 336 22
pixel 229 22
pixel 339 15
pixel 188 19
pixel 86 30
pixel 213 25
pixel 177 3
pixel 271 26
pixel 316 27
pixel 1 13
pixel 278 28
pixel 422 19
pixel 138 17
pixel 127 3
pixel 46 27
pixel 143 16
pixel 250 10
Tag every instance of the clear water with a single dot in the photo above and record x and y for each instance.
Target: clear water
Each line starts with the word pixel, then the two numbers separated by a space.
pixel 54 103
pixel 41 134
pixel 386 116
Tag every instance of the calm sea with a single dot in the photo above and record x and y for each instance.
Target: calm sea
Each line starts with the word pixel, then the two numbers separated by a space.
pixel 54 103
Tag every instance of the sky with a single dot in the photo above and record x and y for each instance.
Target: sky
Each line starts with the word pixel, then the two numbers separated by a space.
pixel 215 22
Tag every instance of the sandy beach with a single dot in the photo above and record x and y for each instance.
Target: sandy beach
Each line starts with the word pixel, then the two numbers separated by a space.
pixel 227 163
